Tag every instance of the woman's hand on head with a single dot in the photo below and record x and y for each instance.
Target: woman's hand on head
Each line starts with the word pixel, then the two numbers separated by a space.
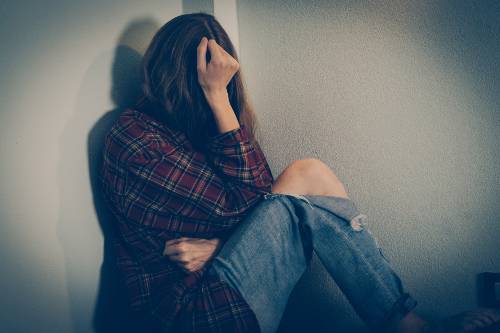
pixel 191 253
pixel 214 76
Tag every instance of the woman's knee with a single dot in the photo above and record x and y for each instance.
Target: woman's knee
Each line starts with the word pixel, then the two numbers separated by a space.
pixel 310 168
pixel 309 176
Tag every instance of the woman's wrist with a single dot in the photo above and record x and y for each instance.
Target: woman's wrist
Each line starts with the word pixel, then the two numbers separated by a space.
pixel 217 244
pixel 217 99
pixel 224 115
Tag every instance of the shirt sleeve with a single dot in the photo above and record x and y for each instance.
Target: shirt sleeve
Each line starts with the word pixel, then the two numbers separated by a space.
pixel 239 161
pixel 202 195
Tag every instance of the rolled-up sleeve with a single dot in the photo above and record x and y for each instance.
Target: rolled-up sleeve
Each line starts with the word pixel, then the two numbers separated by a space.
pixel 239 161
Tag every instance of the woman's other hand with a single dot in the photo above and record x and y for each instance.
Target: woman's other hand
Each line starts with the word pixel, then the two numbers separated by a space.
pixel 191 253
pixel 214 76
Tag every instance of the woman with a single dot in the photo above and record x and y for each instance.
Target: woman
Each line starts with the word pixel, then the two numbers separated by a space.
pixel 207 240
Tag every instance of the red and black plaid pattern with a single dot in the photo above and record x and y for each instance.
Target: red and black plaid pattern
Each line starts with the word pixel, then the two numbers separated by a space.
pixel 159 188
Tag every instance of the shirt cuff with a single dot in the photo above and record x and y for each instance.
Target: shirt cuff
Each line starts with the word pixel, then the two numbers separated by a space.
pixel 230 138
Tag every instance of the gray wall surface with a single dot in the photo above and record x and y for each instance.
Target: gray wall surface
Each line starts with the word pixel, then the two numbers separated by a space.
pixel 401 99
pixel 68 68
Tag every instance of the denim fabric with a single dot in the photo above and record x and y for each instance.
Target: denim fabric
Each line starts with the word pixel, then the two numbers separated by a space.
pixel 271 248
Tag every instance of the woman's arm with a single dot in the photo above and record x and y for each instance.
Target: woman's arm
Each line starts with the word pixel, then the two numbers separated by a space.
pixel 239 161
pixel 214 78
pixel 230 151
pixel 185 186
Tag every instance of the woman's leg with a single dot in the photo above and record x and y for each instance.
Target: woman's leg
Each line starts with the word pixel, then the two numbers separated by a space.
pixel 264 258
pixel 269 251
pixel 313 177
pixel 351 255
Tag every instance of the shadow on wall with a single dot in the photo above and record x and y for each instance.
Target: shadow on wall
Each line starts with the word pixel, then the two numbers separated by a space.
pixel 110 310
pixel 471 40
pixel 77 238
pixel 110 304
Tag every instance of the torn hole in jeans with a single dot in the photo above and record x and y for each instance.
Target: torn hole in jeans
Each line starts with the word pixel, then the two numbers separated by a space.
pixel 358 222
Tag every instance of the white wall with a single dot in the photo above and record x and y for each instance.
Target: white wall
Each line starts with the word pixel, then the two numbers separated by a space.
pixel 401 99
pixel 66 71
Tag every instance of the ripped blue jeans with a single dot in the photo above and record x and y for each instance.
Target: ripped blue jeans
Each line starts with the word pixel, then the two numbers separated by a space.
pixel 271 248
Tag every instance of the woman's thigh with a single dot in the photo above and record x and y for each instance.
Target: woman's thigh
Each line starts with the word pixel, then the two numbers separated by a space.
pixel 265 257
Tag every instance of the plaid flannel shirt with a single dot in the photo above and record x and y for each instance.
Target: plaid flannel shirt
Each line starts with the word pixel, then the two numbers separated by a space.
pixel 158 188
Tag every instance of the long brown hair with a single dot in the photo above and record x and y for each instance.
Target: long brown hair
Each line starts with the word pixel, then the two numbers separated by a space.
pixel 170 89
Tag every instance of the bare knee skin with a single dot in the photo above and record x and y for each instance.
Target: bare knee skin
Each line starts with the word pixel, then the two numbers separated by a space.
pixel 309 176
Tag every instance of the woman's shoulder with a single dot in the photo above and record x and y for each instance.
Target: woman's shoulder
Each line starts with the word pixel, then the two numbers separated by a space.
pixel 137 132
pixel 135 120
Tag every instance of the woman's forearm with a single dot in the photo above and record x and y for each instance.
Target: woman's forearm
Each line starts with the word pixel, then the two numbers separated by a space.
pixel 224 115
